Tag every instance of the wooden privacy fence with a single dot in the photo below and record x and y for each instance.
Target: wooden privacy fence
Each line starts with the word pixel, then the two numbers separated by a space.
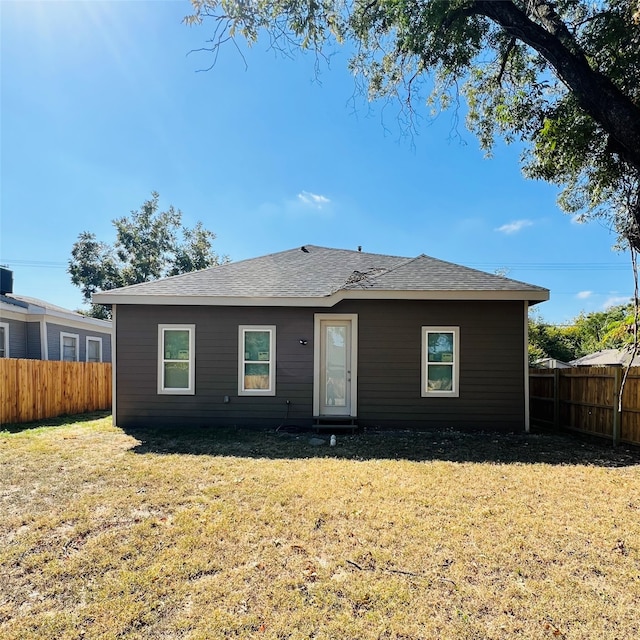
pixel 586 399
pixel 37 389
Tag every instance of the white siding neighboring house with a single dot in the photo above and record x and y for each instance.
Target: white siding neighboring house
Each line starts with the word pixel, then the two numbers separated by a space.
pixel 38 330
pixel 551 363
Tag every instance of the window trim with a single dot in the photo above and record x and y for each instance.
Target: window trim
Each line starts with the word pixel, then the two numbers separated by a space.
pixel 76 337
pixel 86 350
pixel 242 329
pixel 5 346
pixel 455 390
pixel 190 390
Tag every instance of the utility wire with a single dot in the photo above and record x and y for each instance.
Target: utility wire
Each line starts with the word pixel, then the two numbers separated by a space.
pixel 44 264
pixel 553 266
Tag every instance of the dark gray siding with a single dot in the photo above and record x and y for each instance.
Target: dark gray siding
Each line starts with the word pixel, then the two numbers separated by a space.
pixel 53 341
pixel 389 344
pixel 216 337
pixel 491 363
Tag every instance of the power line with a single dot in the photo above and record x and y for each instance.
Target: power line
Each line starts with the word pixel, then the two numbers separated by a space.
pixel 553 266
pixel 44 264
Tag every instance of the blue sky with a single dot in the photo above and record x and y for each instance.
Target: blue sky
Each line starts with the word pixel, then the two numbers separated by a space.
pixel 102 103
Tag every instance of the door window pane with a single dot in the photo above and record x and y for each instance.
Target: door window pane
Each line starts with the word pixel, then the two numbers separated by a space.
pixel 336 366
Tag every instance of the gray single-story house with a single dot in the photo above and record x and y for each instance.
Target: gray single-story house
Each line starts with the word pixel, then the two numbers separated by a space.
pixel 315 335
pixel 39 330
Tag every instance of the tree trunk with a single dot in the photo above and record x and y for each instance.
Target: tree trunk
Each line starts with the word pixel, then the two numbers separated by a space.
pixel 615 112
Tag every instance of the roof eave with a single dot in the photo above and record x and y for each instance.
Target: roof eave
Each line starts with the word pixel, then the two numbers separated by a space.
pixel 35 313
pixel 532 296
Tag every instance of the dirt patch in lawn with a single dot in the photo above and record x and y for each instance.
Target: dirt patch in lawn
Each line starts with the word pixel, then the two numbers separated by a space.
pixel 539 446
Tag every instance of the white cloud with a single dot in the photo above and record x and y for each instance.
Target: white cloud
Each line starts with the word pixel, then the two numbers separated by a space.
pixel 313 199
pixel 583 295
pixel 304 205
pixel 515 226
pixel 612 301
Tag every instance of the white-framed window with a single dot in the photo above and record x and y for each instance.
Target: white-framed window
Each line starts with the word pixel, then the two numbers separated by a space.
pixel 440 362
pixel 4 339
pixel 257 360
pixel 69 347
pixel 176 359
pixel 94 349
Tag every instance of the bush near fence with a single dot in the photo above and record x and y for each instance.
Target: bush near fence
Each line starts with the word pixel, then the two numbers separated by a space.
pixel 586 399
pixel 38 389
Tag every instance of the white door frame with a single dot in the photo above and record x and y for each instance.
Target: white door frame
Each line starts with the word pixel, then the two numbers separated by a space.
pixel 352 318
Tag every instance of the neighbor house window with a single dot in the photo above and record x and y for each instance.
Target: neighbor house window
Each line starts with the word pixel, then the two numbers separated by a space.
pixel 69 347
pixel 4 339
pixel 440 361
pixel 257 361
pixel 94 349
pixel 176 359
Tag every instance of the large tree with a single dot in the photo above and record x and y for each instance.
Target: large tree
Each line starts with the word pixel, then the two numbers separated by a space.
pixel 150 244
pixel 563 77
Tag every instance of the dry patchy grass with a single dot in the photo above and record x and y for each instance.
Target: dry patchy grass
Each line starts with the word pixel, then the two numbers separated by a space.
pixel 243 534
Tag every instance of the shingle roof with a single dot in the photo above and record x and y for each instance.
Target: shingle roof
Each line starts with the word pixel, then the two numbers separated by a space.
pixel 319 272
pixel 429 274
pixel 29 301
pixel 606 358
pixel 32 308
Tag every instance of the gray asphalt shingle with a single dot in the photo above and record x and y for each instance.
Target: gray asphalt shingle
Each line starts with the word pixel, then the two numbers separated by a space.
pixel 318 272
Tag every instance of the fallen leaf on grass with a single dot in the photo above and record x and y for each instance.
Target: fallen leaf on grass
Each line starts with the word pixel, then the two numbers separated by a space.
pixel 549 626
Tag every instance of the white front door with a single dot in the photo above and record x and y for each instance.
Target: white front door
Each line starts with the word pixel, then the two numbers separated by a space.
pixel 335 365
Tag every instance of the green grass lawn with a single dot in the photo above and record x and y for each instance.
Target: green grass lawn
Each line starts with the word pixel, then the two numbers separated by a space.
pixel 245 534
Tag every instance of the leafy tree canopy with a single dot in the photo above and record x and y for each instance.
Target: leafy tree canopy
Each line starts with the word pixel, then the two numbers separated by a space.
pixel 563 77
pixel 150 244
pixel 588 333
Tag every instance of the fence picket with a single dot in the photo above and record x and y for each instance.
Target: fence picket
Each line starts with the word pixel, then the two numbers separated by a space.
pixel 37 389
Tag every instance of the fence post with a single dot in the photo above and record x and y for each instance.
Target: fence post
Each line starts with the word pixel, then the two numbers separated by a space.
pixel 556 398
pixel 617 414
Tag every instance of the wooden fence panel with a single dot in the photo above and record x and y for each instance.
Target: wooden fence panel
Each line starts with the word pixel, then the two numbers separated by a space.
pixel 541 395
pixel 38 389
pixel 630 422
pixel 586 399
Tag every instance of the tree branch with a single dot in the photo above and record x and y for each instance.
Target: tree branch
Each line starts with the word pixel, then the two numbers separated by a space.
pixel 596 94
pixel 505 59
